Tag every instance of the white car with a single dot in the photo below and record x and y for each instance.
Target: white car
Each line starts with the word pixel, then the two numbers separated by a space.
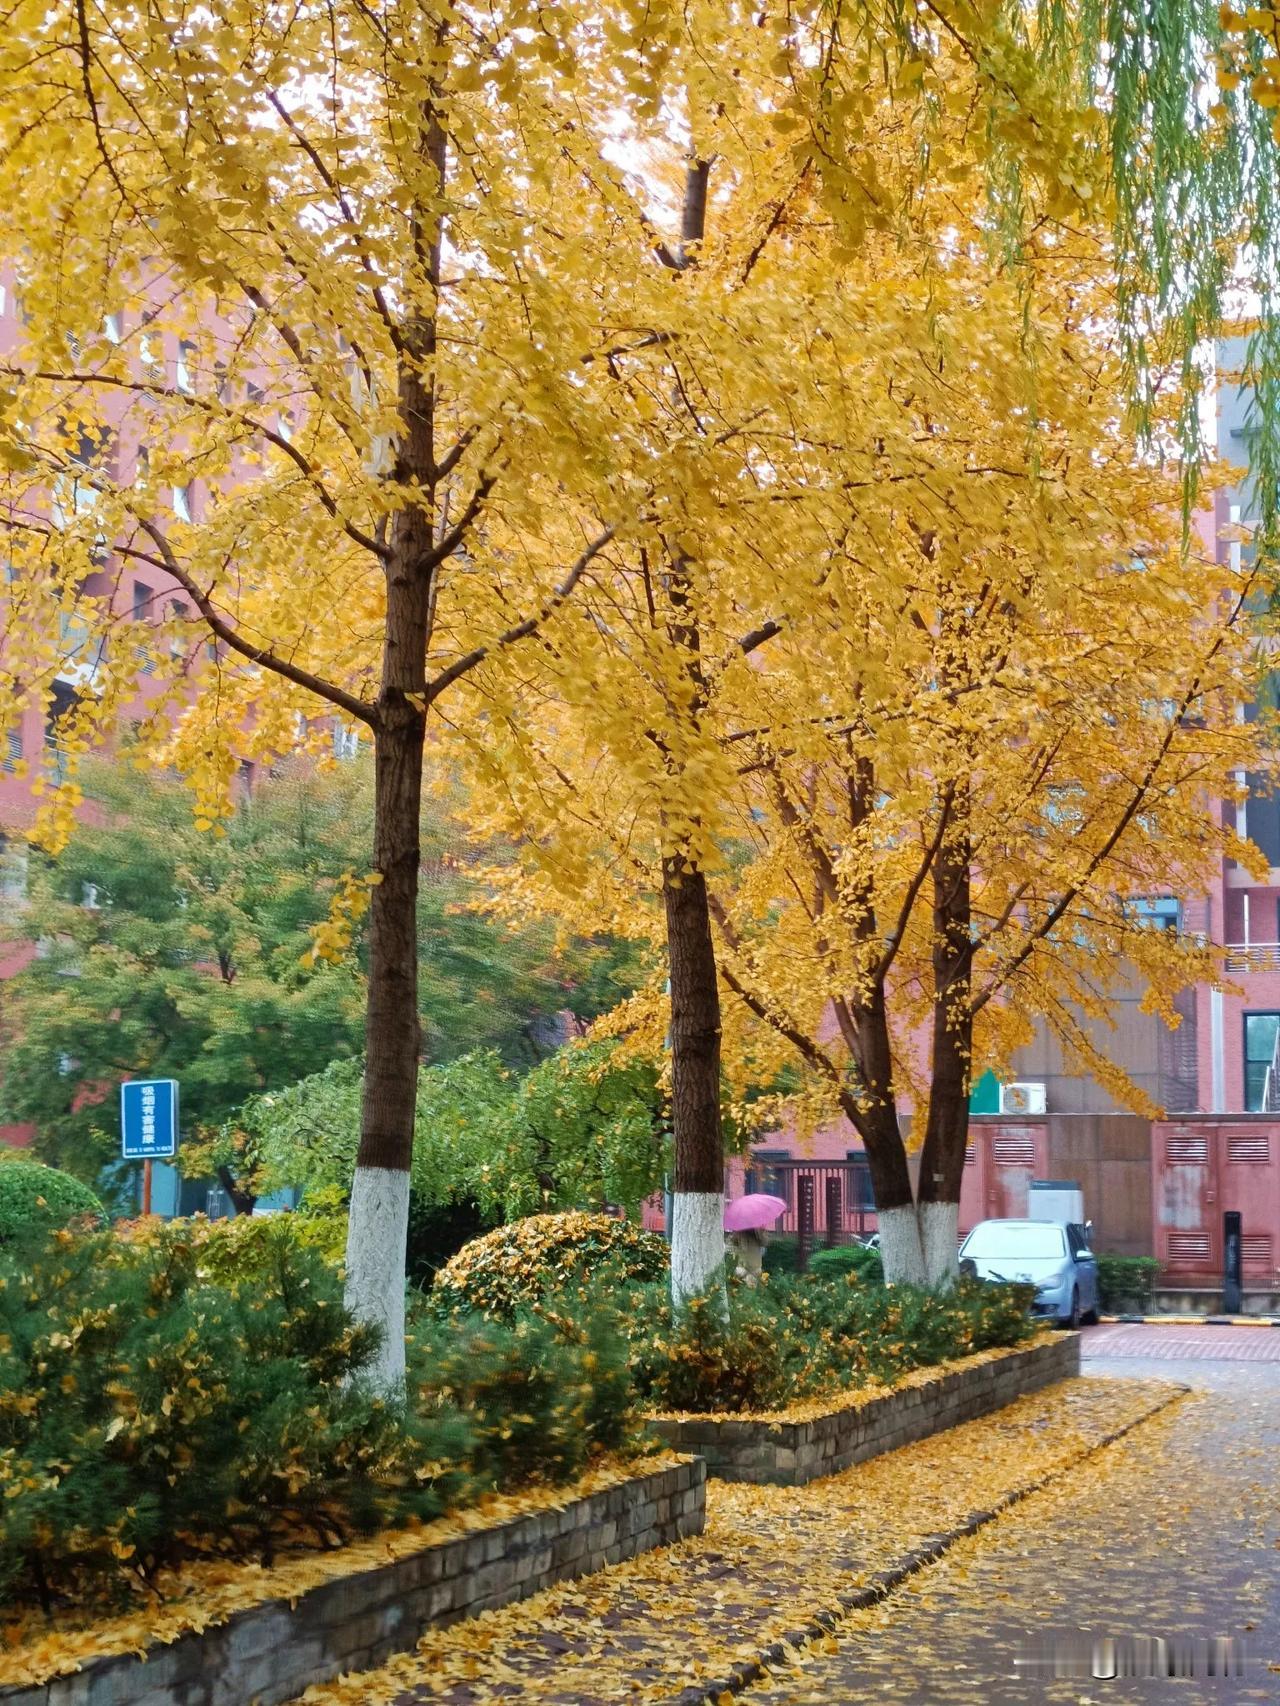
pixel 1050 1254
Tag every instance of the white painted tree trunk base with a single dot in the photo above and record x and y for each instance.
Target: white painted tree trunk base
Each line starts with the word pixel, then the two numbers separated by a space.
pixel 938 1239
pixel 918 1244
pixel 697 1243
pixel 901 1250
pixel 377 1229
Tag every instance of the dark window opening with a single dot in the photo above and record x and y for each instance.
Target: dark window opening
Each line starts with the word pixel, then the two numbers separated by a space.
pixel 1261 1090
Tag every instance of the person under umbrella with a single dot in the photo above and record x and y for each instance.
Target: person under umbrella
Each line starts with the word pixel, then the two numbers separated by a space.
pixel 746 1222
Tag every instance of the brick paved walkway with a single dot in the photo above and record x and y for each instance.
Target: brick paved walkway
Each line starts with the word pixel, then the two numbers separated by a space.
pixel 1184 1344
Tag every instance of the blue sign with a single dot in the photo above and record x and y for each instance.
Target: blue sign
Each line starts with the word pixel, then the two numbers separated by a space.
pixel 149 1118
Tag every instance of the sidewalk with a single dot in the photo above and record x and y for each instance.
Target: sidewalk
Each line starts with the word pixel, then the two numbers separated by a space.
pixel 1191 1320
pixel 776 1568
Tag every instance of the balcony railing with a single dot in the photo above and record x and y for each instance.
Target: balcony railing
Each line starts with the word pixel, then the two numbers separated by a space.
pixel 1253 956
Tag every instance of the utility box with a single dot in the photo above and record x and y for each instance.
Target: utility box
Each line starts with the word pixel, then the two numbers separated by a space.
pixel 1056 1199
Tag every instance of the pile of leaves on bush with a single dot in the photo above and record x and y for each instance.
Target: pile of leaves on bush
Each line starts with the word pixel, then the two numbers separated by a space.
pixel 575 1257
pixel 151 1412
pixel 794 1339
pixel 236 1249
pixel 33 1197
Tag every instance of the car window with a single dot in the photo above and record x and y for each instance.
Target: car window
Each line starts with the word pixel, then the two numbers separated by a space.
pixel 993 1240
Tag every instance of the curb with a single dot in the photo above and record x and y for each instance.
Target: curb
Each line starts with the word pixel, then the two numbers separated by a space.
pixel 880 1586
pixel 1189 1321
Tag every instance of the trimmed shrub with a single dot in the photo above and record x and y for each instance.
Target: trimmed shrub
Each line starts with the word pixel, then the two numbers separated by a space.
pixel 577 1256
pixel 1126 1280
pixel 810 1337
pixel 147 1413
pixel 35 1198
pixel 540 1396
pixel 782 1256
pixel 842 1259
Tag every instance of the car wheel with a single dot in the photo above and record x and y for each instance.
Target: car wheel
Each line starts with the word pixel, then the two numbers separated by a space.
pixel 1090 1317
pixel 1073 1319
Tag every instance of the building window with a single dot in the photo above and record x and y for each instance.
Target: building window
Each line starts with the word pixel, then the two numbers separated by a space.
pixel 184 371
pixel 1163 912
pixel 764 1175
pixel 13 873
pixel 179 611
pixel 11 752
pixel 142 596
pixel 346 741
pixel 182 502
pixel 861 1194
pixel 113 328
pixel 1261 1089
pixel 62 701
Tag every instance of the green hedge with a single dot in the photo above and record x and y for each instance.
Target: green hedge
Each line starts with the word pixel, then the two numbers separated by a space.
pixel 1126 1280
pixel 158 1402
pixel 34 1198
pixel 807 1337
pixel 848 1259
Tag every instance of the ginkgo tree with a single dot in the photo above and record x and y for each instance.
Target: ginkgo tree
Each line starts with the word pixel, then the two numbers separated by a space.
pixel 326 318
pixel 996 705
pixel 342 324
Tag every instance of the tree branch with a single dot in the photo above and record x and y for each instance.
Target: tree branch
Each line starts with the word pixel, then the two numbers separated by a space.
pixel 529 626
pixel 360 709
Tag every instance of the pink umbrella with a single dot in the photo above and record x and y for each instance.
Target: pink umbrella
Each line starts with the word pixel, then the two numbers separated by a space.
pixel 751 1213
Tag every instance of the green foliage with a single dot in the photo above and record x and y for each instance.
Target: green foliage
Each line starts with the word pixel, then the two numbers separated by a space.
pixel 190 964
pixel 541 1395
pixel 782 1256
pixel 585 1126
pixel 842 1259
pixel 436 1233
pixel 33 1197
pixel 147 1412
pixel 792 1339
pixel 574 1256
pixel 1126 1280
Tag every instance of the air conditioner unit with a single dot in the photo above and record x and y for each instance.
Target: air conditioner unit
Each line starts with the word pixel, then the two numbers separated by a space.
pixel 1022 1099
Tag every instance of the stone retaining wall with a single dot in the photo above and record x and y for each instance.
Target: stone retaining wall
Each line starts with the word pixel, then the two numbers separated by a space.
pixel 272 1651
pixel 788 1454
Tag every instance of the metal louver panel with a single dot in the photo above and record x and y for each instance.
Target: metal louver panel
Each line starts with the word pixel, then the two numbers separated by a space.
pixel 1187 1148
pixel 1014 1151
pixel 1188 1246
pixel 1249 1146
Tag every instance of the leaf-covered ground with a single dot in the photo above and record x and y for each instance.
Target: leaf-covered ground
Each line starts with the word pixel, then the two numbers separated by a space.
pixel 771 1558
pixel 1174 1532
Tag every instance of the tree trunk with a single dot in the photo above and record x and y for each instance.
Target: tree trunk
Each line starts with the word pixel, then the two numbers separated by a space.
pixel 697 1203
pixel 379 1216
pixel 901 1249
pixel 378 1222
pixel 947 1127
pixel 241 1200
pixel 864 1024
